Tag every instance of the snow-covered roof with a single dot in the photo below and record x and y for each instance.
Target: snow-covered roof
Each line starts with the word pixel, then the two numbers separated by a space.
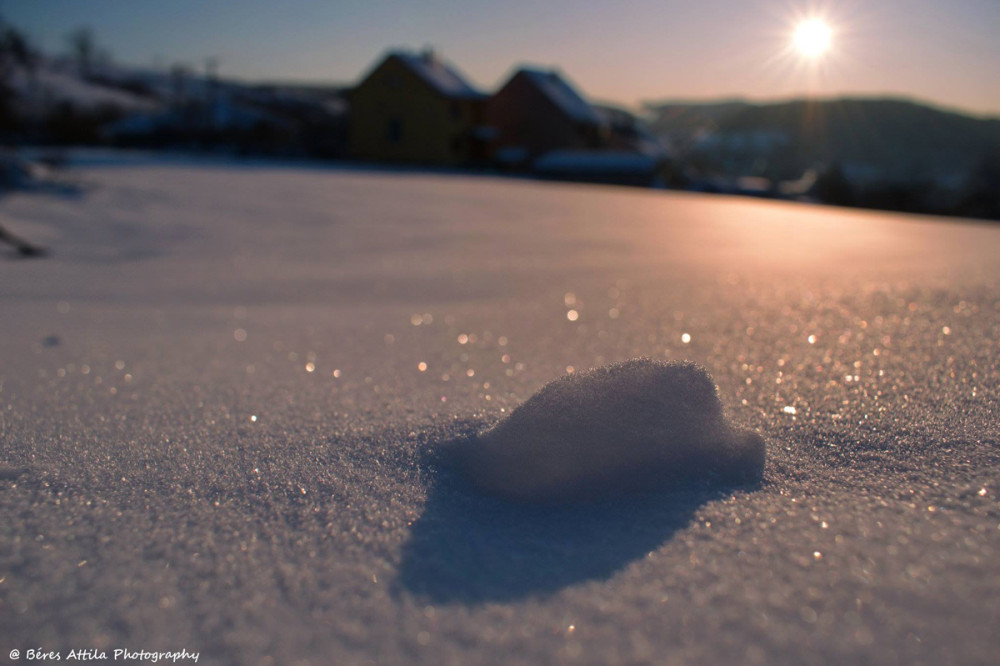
pixel 429 67
pixel 47 84
pixel 562 94
pixel 596 162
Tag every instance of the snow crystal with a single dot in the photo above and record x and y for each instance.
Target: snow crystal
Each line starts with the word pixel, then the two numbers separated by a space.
pixel 633 425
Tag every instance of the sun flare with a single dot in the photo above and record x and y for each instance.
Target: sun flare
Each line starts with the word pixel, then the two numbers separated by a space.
pixel 812 38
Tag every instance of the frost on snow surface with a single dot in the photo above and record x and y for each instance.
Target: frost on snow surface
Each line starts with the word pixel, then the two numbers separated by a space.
pixel 225 453
pixel 633 425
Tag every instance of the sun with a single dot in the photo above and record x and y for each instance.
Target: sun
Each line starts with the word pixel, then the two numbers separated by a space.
pixel 812 38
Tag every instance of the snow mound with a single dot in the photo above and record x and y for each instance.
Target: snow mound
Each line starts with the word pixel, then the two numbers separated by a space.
pixel 641 424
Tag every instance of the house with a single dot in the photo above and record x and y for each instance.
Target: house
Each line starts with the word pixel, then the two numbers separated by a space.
pixel 415 108
pixel 538 111
pixel 545 126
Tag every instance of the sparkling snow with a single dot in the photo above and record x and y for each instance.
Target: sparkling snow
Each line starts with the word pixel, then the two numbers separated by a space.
pixel 209 492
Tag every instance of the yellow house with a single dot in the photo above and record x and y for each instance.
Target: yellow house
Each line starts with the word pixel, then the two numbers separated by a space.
pixel 413 108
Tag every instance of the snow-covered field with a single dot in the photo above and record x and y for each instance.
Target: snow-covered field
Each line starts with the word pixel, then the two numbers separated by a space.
pixel 221 393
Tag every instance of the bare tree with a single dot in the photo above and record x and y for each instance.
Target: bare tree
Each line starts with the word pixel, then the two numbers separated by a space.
pixel 180 74
pixel 83 47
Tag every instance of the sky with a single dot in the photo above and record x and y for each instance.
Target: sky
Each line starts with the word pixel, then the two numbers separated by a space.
pixel 943 52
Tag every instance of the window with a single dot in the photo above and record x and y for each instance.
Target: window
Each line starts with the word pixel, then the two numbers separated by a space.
pixel 394 131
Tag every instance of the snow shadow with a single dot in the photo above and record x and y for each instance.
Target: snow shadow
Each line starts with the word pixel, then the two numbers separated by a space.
pixel 469 548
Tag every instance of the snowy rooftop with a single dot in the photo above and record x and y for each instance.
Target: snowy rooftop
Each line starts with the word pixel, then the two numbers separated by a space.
pixel 48 84
pixel 563 95
pixel 442 77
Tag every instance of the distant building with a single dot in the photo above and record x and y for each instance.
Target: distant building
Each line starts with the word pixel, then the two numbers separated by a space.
pixel 538 111
pixel 625 131
pixel 414 108
pixel 614 167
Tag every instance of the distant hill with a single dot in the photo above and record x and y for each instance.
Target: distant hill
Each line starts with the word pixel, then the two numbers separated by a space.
pixel 870 140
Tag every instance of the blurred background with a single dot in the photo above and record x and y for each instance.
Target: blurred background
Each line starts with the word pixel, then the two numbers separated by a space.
pixel 895 107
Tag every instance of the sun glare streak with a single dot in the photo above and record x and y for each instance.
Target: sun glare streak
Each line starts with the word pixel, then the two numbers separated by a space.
pixel 812 38
pixel 811 45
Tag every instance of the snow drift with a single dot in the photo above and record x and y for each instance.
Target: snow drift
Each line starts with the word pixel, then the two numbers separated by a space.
pixel 633 425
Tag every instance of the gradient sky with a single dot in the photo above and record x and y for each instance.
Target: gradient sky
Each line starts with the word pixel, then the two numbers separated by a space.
pixel 942 51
